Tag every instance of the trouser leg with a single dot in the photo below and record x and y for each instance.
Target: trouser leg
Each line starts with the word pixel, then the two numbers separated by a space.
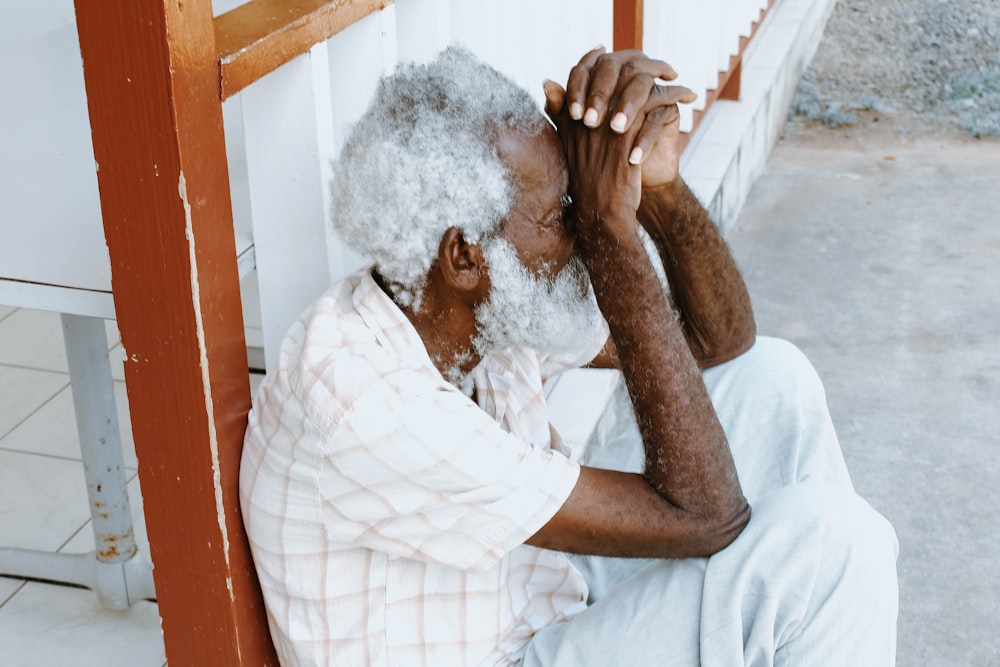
pixel 773 409
pixel 772 406
pixel 811 581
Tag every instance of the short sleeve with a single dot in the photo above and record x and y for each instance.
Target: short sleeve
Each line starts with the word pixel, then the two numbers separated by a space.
pixel 417 470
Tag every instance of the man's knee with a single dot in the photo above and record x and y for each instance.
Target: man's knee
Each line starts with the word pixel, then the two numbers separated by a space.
pixel 773 368
pixel 772 406
pixel 832 511
pixel 833 537
pixel 837 590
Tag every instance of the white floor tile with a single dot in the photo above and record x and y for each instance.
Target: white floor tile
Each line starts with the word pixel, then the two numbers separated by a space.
pixel 33 339
pixel 43 500
pixel 5 311
pixel 52 431
pixel 7 588
pixel 45 625
pixel 22 391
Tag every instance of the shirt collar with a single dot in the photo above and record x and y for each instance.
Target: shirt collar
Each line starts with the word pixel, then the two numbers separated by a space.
pixel 493 377
pixel 392 329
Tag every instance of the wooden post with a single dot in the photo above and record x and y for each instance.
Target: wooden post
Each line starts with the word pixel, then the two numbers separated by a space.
pixel 153 92
pixel 628 24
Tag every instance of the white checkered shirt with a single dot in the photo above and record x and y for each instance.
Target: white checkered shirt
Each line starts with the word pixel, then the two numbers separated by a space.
pixel 386 511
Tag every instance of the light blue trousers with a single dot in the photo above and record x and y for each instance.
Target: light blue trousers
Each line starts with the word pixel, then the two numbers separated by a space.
pixel 810 582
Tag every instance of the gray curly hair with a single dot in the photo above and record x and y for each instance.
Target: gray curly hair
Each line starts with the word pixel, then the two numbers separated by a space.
pixel 422 159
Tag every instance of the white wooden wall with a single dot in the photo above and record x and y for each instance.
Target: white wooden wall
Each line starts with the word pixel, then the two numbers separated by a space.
pixel 697 38
pixel 284 131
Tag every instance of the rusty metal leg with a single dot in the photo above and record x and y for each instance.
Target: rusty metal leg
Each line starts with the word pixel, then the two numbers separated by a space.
pixel 100 440
pixel 103 463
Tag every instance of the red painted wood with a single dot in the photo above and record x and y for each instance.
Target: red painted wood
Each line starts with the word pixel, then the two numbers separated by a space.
pixel 260 36
pixel 153 93
pixel 628 24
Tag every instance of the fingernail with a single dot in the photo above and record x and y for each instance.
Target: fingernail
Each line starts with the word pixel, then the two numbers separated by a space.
pixel 576 111
pixel 635 157
pixel 599 46
pixel 618 122
pixel 590 119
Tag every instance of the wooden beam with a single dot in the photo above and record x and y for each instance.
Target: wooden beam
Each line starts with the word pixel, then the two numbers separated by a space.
pixel 260 36
pixel 628 24
pixel 153 93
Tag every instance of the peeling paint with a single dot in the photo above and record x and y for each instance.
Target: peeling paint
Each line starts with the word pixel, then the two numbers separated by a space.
pixel 213 440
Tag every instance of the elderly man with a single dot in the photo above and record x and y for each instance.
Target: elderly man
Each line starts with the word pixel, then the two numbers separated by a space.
pixel 408 502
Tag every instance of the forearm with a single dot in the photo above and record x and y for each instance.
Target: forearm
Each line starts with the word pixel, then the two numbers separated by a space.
pixel 688 461
pixel 705 283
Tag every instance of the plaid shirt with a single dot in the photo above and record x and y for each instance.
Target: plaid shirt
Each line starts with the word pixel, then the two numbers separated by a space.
pixel 386 511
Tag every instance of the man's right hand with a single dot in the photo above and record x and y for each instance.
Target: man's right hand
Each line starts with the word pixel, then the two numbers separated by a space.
pixel 604 187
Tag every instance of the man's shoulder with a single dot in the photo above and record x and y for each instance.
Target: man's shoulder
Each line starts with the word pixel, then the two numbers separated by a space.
pixel 351 339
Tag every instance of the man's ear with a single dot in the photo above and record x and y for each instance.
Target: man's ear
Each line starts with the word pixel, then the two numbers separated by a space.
pixel 462 263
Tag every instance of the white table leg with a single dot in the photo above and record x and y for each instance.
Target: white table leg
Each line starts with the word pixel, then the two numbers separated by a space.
pixel 115 570
pixel 100 439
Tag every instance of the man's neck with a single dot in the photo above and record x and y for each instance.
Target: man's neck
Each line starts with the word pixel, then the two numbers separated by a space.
pixel 445 325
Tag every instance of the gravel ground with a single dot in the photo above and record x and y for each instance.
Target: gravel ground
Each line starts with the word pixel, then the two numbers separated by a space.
pixel 905 68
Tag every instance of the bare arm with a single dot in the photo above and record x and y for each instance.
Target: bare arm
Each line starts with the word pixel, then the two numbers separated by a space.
pixel 706 286
pixel 705 283
pixel 688 502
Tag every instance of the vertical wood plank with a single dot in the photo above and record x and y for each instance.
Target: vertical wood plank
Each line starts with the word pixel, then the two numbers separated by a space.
pixel 426 28
pixel 358 57
pixel 289 147
pixel 153 96
pixel 628 24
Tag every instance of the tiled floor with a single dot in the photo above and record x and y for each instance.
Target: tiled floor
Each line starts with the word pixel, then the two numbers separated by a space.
pixel 43 505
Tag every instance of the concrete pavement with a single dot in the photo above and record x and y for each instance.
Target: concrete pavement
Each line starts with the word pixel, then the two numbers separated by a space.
pixel 881 260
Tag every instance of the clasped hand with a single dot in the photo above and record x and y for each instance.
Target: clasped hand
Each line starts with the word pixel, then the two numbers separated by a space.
pixel 620 130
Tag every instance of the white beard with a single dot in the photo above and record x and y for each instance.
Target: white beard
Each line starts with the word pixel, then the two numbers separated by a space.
pixel 547 315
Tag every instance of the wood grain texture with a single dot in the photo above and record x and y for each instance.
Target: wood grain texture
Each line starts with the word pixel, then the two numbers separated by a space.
pixel 260 36
pixel 628 24
pixel 152 86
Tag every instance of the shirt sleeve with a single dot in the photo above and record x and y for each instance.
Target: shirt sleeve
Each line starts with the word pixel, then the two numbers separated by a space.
pixel 417 470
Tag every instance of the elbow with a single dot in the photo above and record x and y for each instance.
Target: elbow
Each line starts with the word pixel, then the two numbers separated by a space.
pixel 726 532
pixel 726 348
pixel 718 532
